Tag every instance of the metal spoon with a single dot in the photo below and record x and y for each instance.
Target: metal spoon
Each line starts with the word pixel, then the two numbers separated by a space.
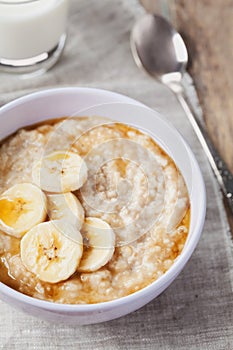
pixel 158 48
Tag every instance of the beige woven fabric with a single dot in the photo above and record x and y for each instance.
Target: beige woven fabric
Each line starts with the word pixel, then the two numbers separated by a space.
pixel 196 311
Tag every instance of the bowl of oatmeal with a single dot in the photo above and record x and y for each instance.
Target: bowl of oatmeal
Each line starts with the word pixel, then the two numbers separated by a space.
pixel 99 207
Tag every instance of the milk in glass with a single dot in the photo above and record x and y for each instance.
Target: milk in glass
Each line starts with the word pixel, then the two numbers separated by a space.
pixel 29 28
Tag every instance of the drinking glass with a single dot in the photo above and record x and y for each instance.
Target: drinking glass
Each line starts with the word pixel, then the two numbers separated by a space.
pixel 32 34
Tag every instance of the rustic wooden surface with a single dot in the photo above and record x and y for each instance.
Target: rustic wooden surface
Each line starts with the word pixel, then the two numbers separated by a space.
pixel 207 28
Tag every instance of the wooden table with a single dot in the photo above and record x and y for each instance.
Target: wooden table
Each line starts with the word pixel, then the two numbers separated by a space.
pixel 207 28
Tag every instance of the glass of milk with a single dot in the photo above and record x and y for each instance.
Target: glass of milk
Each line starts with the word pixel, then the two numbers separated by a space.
pixel 32 34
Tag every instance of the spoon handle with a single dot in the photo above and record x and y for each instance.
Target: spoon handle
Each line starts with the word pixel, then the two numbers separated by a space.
pixel 221 171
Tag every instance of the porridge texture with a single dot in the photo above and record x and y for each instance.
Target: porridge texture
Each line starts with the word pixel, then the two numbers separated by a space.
pixel 130 191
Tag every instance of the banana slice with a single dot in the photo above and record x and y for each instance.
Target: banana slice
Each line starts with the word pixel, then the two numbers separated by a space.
pixel 60 172
pixel 99 242
pixel 66 206
pixel 22 206
pixel 52 250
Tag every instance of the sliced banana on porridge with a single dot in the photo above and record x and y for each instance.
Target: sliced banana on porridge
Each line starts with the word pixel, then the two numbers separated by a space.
pixel 22 206
pixel 60 172
pixel 99 242
pixel 66 206
pixel 52 250
pixel 130 225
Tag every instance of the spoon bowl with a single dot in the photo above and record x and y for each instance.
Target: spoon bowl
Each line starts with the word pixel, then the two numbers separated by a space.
pixel 158 47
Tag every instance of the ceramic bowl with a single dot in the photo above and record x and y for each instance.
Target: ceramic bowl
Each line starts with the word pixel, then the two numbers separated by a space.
pixel 60 102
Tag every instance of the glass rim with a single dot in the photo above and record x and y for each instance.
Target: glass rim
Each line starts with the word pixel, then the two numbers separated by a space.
pixel 19 2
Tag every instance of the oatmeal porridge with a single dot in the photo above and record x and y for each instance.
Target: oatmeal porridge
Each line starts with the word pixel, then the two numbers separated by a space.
pixel 90 210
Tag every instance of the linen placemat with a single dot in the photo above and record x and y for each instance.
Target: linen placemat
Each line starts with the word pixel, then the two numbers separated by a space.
pixel 196 311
